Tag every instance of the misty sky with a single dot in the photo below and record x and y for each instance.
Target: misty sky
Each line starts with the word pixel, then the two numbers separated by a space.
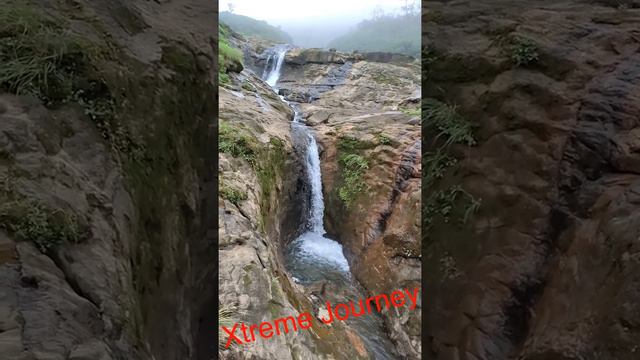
pixel 279 11
pixel 311 23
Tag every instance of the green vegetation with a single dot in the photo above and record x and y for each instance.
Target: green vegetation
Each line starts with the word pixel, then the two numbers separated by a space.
pixel 30 220
pixel 436 165
pixel 235 196
pixel 444 127
pixel 523 51
pixel 389 33
pixel 411 111
pixel 348 144
pixel 353 166
pixel 229 58
pixel 384 139
pixel 237 142
pixel 446 204
pixel 252 27
pixel 47 228
pixel 447 123
pixel 41 59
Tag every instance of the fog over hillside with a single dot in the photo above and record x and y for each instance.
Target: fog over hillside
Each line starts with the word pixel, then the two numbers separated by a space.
pixel 312 24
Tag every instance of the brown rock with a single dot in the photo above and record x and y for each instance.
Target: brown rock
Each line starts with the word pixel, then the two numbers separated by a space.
pixel 544 269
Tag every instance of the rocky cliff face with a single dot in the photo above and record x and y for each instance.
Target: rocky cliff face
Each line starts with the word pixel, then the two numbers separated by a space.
pixel 547 267
pixel 372 108
pixel 262 202
pixel 103 160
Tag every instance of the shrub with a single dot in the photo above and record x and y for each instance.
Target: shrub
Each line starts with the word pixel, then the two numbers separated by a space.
pixel 45 227
pixel 524 51
pixel 232 194
pixel 443 122
pixel 237 143
pixel 443 203
pixel 350 144
pixel 384 139
pixel 435 166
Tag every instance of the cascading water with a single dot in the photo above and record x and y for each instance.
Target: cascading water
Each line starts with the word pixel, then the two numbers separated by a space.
pixel 271 73
pixel 312 257
pixel 315 179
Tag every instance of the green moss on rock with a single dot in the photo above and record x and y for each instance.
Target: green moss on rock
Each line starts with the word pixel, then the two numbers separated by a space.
pixel 352 166
pixel 47 228
pixel 270 169
pixel 230 59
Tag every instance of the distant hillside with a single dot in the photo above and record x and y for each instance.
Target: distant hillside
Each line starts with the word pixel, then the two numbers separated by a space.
pixel 399 34
pixel 252 27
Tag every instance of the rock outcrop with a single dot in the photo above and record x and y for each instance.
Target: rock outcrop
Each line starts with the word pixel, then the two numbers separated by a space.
pixel 548 266
pixel 103 207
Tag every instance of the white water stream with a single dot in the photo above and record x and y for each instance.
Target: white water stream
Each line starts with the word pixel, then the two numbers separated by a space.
pixel 312 243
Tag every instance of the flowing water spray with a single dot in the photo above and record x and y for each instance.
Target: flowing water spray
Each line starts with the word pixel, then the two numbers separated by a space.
pixel 313 257
pixel 312 245
pixel 277 55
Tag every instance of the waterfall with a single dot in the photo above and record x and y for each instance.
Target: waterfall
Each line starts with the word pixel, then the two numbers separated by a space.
pixel 312 244
pixel 272 74
pixel 316 220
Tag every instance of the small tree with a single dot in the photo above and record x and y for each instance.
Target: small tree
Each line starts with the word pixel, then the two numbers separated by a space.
pixel 232 7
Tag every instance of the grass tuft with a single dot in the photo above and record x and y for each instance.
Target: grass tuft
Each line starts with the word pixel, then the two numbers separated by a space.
pixel 447 123
pixel 234 141
pixel 384 139
pixel 445 127
pixel 41 58
pixel 235 196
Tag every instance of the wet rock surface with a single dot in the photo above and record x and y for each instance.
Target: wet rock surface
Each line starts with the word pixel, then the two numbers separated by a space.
pixel 547 269
pixel 134 283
